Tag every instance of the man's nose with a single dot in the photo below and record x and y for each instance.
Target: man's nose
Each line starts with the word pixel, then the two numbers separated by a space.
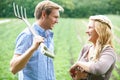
pixel 56 21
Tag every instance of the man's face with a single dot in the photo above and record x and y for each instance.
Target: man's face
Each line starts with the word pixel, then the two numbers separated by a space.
pixel 51 19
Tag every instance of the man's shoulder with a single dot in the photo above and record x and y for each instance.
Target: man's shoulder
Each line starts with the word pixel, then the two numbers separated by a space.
pixel 26 31
pixel 24 34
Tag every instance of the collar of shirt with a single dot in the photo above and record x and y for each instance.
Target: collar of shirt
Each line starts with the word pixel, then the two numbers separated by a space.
pixel 42 32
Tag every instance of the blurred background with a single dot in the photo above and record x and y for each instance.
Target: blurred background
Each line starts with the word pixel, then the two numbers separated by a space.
pixel 69 34
pixel 73 8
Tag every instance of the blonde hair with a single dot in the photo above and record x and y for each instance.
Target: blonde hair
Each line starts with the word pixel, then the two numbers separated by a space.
pixel 103 28
pixel 46 6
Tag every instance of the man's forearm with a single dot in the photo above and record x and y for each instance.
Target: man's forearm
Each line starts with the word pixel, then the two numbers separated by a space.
pixel 19 61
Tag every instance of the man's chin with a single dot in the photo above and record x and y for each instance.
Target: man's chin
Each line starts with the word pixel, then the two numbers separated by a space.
pixel 51 28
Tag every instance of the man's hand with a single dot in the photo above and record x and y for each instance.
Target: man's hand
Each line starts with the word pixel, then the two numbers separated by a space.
pixel 37 40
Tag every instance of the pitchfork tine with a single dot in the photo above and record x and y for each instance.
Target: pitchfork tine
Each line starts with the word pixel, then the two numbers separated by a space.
pixel 22 12
pixel 18 12
pixel 14 9
pixel 25 13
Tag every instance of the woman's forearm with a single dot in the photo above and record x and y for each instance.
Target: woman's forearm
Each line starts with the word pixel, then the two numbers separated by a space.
pixel 84 65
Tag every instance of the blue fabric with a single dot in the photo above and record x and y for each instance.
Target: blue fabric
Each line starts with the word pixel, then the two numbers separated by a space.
pixel 39 67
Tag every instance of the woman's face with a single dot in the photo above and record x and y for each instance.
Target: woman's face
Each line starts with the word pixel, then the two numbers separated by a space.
pixel 93 36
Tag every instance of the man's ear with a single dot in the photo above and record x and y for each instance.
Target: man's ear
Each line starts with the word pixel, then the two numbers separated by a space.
pixel 43 14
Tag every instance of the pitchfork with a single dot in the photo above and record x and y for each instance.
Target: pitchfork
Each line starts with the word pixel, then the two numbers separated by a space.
pixel 21 14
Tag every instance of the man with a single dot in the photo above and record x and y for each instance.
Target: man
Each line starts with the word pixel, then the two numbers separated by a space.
pixel 28 59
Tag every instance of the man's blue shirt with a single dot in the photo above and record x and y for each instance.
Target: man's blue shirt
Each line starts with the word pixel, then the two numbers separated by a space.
pixel 39 67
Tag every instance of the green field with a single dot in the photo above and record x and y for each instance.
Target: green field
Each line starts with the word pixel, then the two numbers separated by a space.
pixel 69 37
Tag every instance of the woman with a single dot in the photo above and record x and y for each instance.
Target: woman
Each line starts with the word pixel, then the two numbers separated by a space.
pixel 97 60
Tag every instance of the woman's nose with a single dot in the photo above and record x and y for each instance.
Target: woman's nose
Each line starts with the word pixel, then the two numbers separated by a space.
pixel 87 31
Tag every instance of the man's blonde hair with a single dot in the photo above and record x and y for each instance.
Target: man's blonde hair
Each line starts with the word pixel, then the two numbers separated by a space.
pixel 46 6
pixel 103 28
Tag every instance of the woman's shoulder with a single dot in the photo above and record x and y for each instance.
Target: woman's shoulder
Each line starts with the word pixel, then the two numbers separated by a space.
pixel 86 46
pixel 108 50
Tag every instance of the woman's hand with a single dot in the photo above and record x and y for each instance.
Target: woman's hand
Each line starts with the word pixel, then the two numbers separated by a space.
pixel 80 75
pixel 77 72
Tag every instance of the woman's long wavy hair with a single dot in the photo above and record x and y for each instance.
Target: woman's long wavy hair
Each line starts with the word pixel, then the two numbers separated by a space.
pixel 103 28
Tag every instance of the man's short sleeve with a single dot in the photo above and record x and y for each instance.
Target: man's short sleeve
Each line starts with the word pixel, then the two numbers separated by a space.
pixel 23 42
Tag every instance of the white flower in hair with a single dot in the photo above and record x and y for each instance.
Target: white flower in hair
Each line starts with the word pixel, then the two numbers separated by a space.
pixel 103 19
